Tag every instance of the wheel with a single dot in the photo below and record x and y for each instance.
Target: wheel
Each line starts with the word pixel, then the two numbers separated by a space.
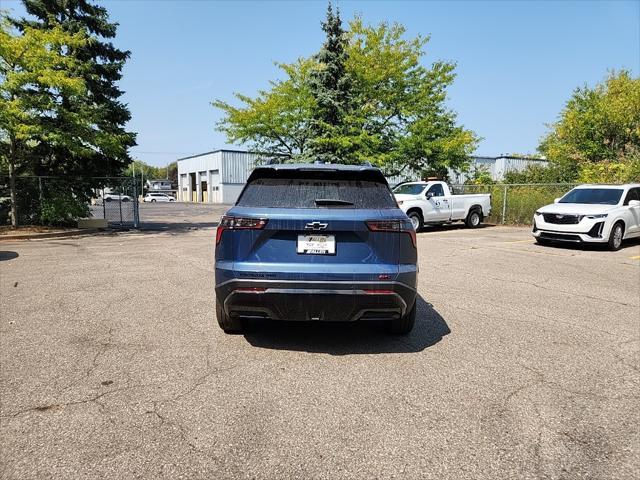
pixel 615 237
pixel 125 199
pixel 474 218
pixel 172 200
pixel 227 323
pixel 416 220
pixel 403 325
pixel 153 200
pixel 108 199
pixel 543 241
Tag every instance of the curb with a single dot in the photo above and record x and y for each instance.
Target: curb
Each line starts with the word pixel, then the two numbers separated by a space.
pixel 37 236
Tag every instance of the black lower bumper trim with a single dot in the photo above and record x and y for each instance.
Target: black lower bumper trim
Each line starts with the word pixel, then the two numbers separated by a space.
pixel 302 301
pixel 560 237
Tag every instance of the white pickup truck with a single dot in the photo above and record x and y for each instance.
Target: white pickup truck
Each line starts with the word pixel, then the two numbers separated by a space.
pixel 432 203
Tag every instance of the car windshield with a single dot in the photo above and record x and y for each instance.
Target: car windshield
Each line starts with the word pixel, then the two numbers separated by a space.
pixel 409 189
pixel 597 196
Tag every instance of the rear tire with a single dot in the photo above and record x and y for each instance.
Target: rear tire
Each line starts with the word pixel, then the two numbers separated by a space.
pixel 228 324
pixel 404 325
pixel 153 200
pixel 416 220
pixel 616 236
pixel 474 219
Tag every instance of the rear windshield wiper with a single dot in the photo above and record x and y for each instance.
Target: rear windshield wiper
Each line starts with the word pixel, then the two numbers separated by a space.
pixel 332 201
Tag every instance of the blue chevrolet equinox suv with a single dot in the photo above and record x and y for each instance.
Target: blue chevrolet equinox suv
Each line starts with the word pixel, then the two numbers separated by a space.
pixel 318 242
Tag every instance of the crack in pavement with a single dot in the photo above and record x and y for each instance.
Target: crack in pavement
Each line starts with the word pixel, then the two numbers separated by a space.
pixel 57 406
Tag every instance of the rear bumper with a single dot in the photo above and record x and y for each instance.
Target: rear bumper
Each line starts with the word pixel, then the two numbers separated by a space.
pixel 322 301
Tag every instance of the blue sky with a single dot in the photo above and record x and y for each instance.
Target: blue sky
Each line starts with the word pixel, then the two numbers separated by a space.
pixel 517 62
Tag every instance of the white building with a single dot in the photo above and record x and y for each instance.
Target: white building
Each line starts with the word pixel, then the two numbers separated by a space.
pixel 214 177
pixel 497 167
pixel 219 176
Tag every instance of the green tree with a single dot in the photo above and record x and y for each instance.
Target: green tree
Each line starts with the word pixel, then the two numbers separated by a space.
pixel 402 118
pixel 140 168
pixel 99 63
pixel 276 121
pixel 401 122
pixel 599 125
pixel 172 172
pixel 35 78
pixel 331 85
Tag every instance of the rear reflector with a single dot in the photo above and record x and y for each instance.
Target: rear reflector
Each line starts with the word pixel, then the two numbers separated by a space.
pixel 250 290
pixel 379 292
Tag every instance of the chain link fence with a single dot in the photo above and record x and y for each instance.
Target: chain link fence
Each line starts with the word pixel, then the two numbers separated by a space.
pixel 61 201
pixel 515 204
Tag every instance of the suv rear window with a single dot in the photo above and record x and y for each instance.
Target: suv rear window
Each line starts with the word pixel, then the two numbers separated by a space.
pixel 301 192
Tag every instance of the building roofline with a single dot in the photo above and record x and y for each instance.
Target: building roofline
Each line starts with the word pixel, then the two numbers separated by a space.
pixel 509 157
pixel 231 150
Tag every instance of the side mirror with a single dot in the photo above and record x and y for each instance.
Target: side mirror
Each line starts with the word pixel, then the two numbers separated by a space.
pixel 634 203
pixel 556 200
pixel 429 195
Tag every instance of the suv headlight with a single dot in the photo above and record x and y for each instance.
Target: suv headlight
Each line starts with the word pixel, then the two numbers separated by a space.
pixel 538 213
pixel 601 215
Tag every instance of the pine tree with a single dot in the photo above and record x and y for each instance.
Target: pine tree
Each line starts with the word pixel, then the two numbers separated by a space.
pixel 100 65
pixel 330 86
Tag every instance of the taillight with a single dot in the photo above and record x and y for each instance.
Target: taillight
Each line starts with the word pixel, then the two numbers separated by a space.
pixel 238 223
pixel 393 226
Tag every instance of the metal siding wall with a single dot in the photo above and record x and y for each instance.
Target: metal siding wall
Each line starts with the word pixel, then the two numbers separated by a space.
pixel 231 192
pixel 209 161
pixel 236 166
pixel 393 181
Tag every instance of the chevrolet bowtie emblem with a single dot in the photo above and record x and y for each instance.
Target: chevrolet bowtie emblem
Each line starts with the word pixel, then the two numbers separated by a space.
pixel 315 226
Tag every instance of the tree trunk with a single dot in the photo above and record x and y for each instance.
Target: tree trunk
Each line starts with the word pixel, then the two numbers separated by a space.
pixel 12 184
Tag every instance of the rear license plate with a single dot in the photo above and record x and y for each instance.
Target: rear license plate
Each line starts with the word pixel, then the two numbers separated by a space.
pixel 317 244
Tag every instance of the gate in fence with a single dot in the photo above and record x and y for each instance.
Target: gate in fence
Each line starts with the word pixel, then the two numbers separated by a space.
pixel 120 205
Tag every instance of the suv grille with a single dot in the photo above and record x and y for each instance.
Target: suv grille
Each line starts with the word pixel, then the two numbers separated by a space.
pixel 562 219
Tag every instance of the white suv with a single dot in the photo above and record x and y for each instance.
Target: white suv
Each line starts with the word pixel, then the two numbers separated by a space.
pixel 158 197
pixel 591 214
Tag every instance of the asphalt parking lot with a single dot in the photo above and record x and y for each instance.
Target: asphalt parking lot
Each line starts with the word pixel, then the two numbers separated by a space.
pixel 524 363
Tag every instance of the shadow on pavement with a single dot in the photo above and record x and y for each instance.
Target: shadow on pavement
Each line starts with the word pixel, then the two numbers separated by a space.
pixel 174 226
pixel 7 255
pixel 351 337
pixel 452 226
pixel 630 243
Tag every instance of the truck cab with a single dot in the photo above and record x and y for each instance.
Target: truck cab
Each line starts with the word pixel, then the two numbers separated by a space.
pixel 432 203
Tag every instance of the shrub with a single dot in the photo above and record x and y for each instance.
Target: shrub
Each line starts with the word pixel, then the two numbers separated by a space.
pixel 62 208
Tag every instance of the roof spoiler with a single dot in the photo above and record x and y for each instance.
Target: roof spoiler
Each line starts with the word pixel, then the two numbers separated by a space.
pixel 323 171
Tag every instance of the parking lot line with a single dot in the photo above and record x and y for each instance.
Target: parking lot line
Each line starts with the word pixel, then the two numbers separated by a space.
pixel 637 257
pixel 528 240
